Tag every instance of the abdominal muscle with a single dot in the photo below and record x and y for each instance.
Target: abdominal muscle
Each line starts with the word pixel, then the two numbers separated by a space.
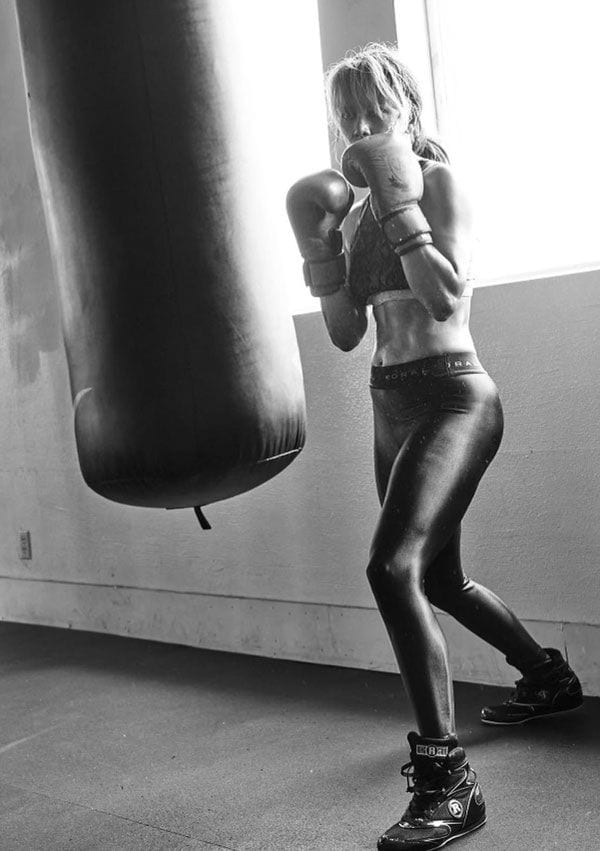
pixel 405 331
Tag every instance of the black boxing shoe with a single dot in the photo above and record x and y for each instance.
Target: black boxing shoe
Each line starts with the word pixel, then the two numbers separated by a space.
pixel 447 801
pixel 547 689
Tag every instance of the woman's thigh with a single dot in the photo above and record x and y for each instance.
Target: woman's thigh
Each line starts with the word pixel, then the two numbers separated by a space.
pixel 386 447
pixel 433 478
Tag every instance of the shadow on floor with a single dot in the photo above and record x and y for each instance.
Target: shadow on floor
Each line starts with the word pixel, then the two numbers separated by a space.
pixel 118 743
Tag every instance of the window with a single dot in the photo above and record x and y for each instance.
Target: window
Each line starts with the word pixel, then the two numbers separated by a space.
pixel 513 85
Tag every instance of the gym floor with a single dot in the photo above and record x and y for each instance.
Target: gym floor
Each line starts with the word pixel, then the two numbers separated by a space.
pixel 118 743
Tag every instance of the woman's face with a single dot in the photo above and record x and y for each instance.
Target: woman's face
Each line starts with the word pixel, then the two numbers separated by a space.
pixel 357 122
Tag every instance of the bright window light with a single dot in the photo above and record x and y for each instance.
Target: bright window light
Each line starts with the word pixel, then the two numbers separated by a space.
pixel 515 96
pixel 278 127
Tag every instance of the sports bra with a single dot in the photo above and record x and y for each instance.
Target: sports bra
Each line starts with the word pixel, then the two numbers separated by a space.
pixel 375 272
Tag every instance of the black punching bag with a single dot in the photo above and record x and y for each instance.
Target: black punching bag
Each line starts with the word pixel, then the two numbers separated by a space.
pixel 184 367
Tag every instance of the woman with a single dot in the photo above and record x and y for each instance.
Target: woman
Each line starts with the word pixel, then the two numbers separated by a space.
pixel 437 418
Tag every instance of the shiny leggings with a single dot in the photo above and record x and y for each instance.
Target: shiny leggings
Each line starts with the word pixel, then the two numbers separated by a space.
pixel 437 428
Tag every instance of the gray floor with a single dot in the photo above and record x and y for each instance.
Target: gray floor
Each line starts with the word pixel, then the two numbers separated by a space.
pixel 113 743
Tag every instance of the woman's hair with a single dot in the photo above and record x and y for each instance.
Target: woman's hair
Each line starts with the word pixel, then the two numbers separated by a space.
pixel 373 78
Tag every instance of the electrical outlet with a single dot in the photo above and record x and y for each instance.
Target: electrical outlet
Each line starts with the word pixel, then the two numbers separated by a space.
pixel 24 545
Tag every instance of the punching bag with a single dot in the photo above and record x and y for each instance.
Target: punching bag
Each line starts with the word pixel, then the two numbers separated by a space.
pixel 184 368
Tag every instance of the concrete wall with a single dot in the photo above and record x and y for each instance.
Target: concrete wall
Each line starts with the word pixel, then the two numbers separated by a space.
pixel 282 571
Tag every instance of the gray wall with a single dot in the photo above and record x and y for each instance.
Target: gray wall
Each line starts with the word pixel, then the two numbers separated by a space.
pixel 282 571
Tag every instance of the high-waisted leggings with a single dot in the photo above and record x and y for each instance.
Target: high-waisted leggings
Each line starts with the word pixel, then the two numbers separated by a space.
pixel 438 424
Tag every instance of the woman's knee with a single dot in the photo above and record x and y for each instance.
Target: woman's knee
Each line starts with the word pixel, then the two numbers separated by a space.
pixel 399 573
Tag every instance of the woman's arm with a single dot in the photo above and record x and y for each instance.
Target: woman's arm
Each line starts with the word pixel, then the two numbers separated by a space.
pixel 424 215
pixel 320 211
pixel 437 273
pixel 346 321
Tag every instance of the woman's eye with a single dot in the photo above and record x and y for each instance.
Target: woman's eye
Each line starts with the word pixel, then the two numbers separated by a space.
pixel 347 116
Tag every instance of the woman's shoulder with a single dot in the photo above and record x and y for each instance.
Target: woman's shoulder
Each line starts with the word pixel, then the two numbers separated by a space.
pixel 434 169
pixel 445 195
pixel 441 178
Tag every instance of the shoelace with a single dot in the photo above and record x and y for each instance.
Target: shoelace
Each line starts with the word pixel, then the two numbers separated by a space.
pixel 523 692
pixel 431 789
pixel 529 690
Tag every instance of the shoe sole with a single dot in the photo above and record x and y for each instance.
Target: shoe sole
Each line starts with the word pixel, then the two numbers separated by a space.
pixel 472 829
pixel 458 835
pixel 527 720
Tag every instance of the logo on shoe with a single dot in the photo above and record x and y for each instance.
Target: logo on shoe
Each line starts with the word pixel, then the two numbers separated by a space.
pixel 432 750
pixel 455 808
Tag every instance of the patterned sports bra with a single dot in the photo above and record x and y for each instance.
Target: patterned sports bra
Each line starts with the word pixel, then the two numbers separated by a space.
pixel 372 265
pixel 375 272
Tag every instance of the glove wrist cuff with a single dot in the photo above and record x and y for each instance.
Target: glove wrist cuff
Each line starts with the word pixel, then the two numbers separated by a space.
pixel 325 277
pixel 402 225
pixel 412 243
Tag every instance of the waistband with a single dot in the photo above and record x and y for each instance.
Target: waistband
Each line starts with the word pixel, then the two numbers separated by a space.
pixel 375 299
pixel 438 366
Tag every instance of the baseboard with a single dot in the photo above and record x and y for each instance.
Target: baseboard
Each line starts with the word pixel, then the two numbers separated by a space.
pixel 310 632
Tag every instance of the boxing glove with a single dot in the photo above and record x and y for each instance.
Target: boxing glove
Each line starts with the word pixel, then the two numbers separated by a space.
pixel 386 163
pixel 316 207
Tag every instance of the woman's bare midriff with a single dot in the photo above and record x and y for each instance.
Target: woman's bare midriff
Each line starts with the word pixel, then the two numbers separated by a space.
pixel 405 331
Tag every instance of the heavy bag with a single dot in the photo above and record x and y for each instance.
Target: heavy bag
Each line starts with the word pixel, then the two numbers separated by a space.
pixel 184 367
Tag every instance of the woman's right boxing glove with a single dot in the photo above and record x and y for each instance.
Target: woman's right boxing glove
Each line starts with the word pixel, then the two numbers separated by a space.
pixel 316 206
pixel 386 163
